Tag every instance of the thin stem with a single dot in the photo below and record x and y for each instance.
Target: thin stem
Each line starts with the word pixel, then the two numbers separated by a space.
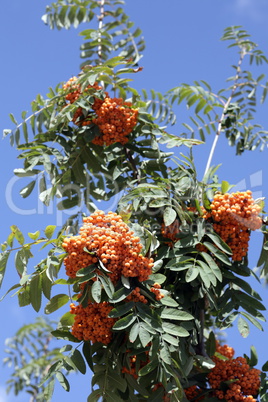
pixel 201 343
pixel 101 16
pixel 226 106
pixel 26 245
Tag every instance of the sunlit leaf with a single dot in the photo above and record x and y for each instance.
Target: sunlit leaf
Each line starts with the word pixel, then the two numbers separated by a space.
pixel 56 302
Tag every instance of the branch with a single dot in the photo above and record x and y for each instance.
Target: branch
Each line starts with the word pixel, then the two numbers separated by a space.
pixel 213 147
pixel 100 17
pixel 201 340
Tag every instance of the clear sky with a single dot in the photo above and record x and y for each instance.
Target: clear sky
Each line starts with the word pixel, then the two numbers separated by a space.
pixel 183 45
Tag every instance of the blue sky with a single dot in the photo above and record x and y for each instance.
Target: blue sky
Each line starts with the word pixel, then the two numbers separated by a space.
pixel 183 45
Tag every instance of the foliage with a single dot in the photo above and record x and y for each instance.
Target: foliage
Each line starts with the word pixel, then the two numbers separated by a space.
pixel 177 279
pixel 30 354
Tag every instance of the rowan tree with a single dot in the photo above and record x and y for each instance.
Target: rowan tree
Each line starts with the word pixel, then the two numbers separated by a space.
pixel 150 285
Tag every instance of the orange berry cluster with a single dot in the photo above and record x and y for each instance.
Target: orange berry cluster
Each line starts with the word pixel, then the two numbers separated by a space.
pixel 171 231
pixel 74 94
pixel 225 350
pixel 136 296
pixel 107 239
pixel 193 392
pixel 132 365
pixel 116 120
pixel 233 216
pixel 156 290
pixel 114 117
pixel 92 322
pixel 243 381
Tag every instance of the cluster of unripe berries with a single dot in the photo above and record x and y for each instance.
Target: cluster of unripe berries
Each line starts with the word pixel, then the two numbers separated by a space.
pixel 233 216
pixel 105 238
pixel 115 118
pixel 241 382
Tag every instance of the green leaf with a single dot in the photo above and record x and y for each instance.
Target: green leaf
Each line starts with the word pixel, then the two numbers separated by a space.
pixel 66 321
pixel 79 172
pixel 252 320
pixel 125 282
pixel 24 297
pixel 149 316
pixel 191 274
pixel 205 278
pixel 265 366
pixel 25 172
pixel 121 310
pixel 49 389
pixel 107 285
pixel 87 352
pixel 173 329
pixel 225 187
pixel 3 263
pixel 212 265
pixel 47 195
pixel 243 327
pixel 85 271
pixel 124 322
pixel 249 300
pixel 174 314
pixel 94 396
pixel 35 235
pixel 79 361
pixel 134 332
pixel 113 397
pixel 158 278
pixel 205 362
pixel 20 263
pixel 66 335
pixel 168 301
pixel 170 339
pixel 12 118
pixel 18 234
pixel 165 354
pixel 9 290
pixel 63 381
pixel 148 368
pixel 56 302
pixel 144 336
pixel 96 289
pixel 117 381
pixel 169 216
pixel 46 285
pixel 253 356
pixel 211 344
pixel 49 230
pixel 26 191
pixel 121 294
pixel 220 243
pixel 36 292
pixel 218 253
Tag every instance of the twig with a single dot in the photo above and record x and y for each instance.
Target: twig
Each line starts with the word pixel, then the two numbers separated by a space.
pixel 101 16
pixel 226 106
